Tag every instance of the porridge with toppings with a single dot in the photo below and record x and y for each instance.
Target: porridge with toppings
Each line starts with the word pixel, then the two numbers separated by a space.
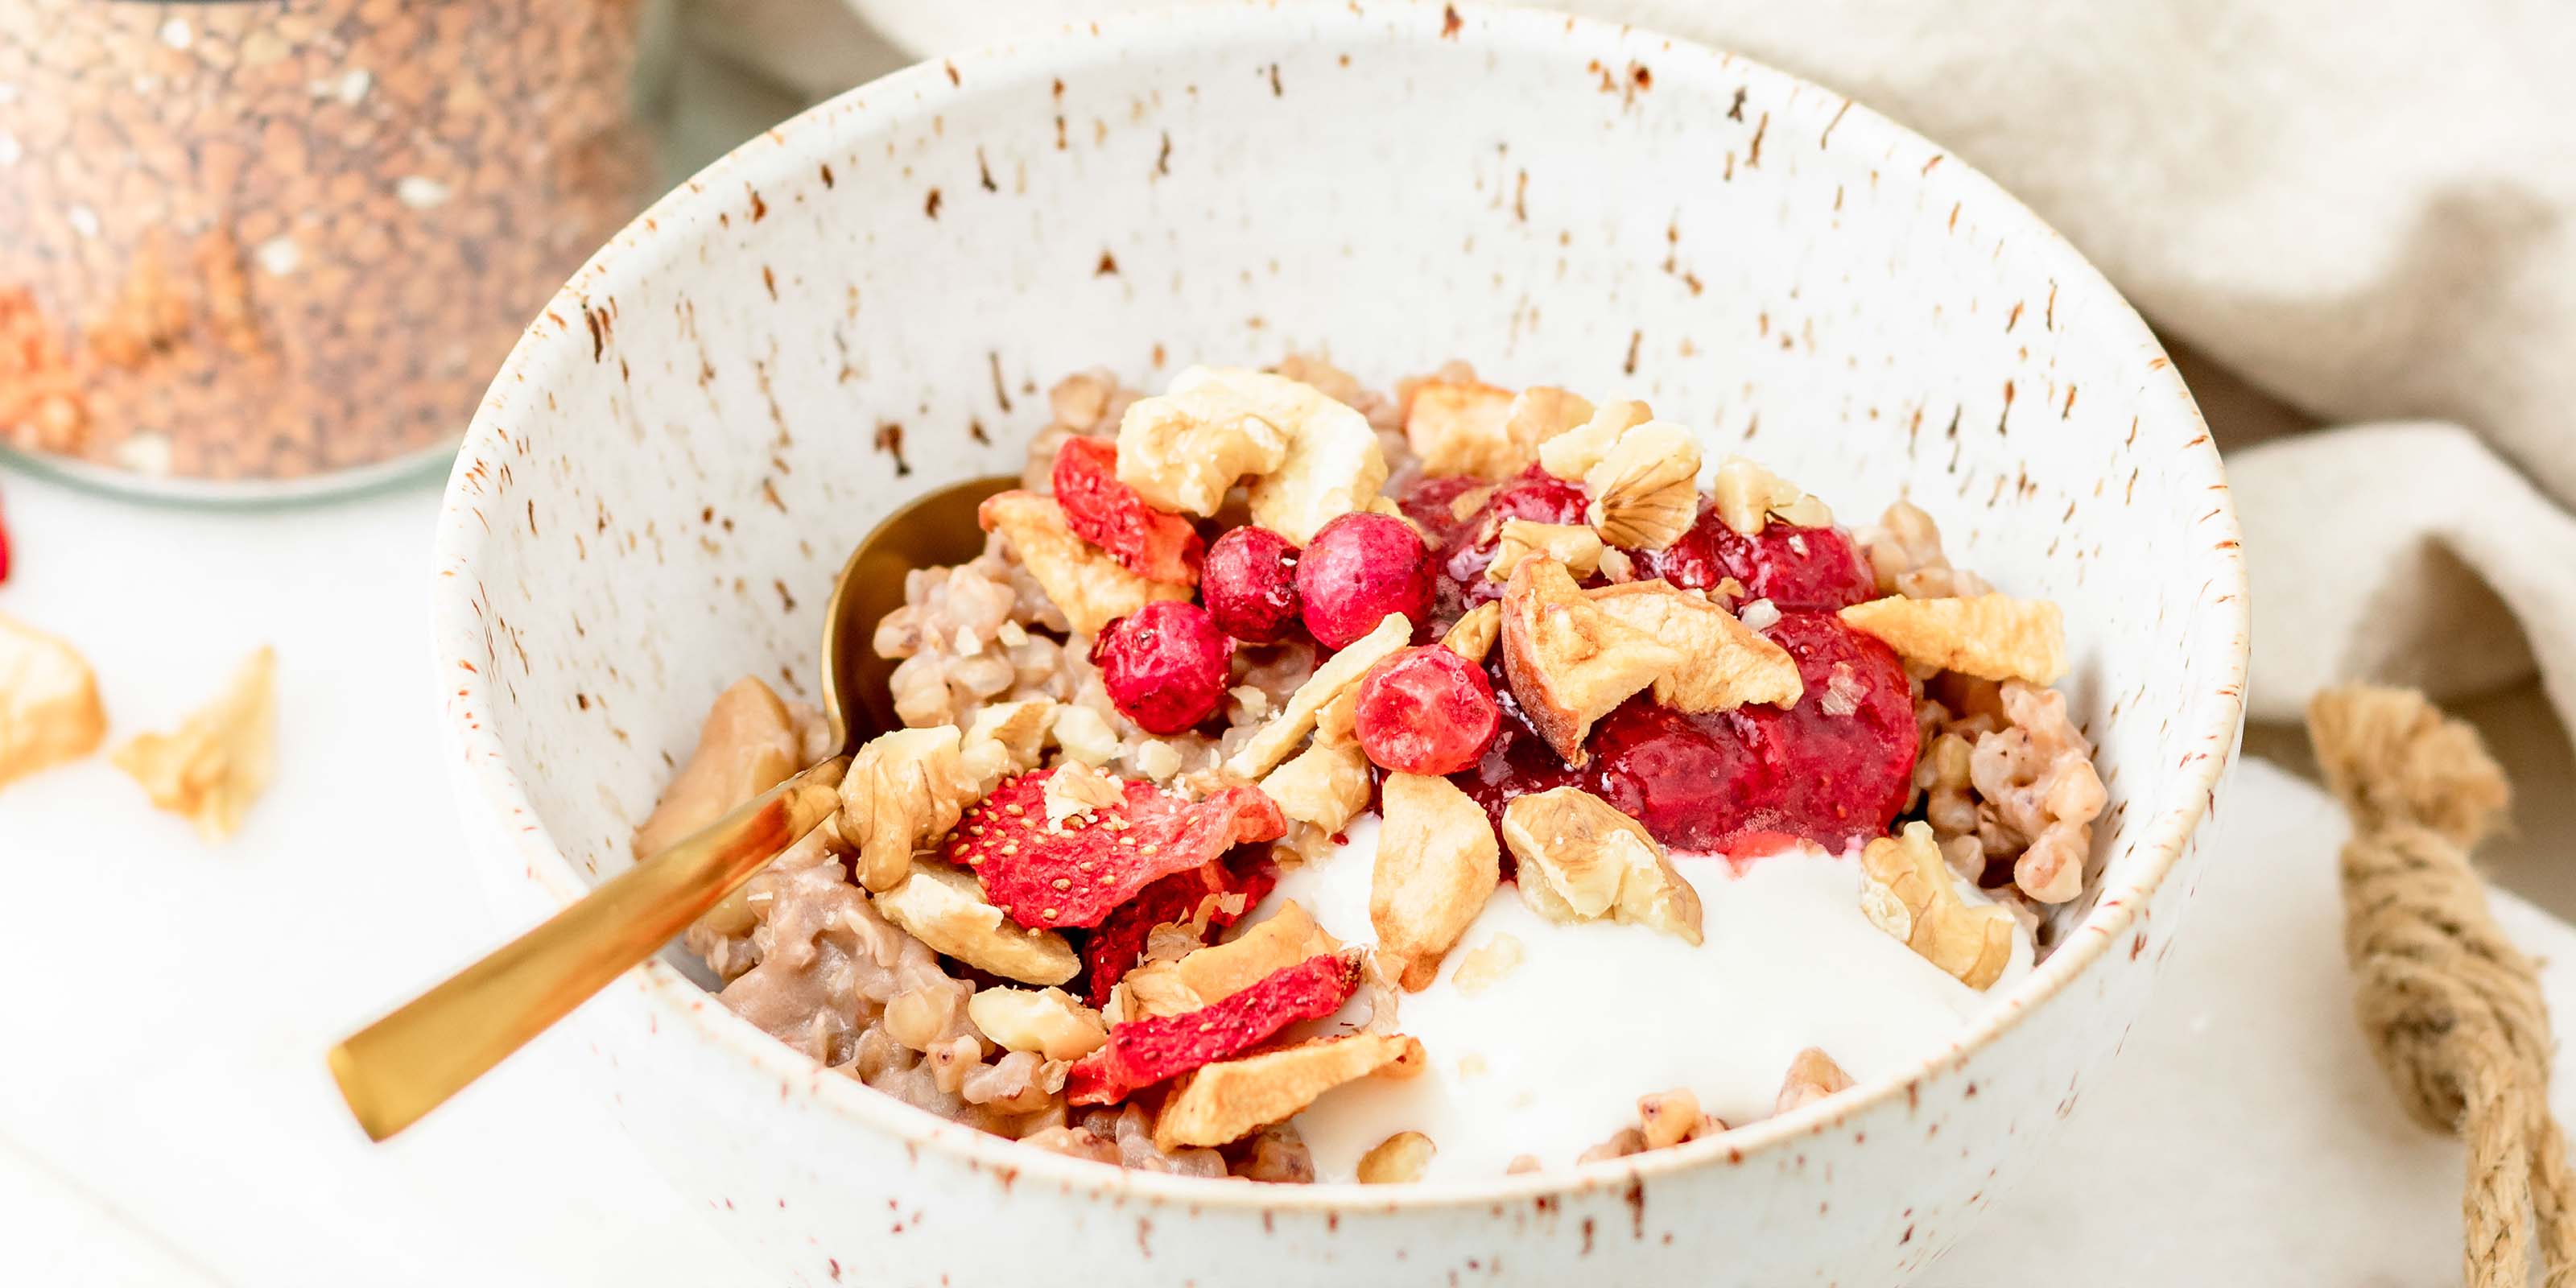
pixel 1313 783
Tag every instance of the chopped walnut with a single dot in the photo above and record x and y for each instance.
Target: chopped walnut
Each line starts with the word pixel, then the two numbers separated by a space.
pixel 1572 544
pixel 1397 1160
pixel 1184 450
pixel 1667 1118
pixel 1581 859
pixel 1748 497
pixel 1085 583
pixel 1725 663
pixel 2038 778
pixel 1077 791
pixel 1906 891
pixel 1645 489
pixel 1569 662
pixel 220 758
pixel 1326 785
pixel 903 790
pixel 1992 637
pixel 1486 964
pixel 944 907
pixel 1472 428
pixel 1006 738
pixel 1904 552
pixel 1047 1021
pixel 1812 1076
pixel 1437 863
pixel 1472 636
pixel 1212 974
pixel 747 745
pixel 1266 748
pixel 1225 1101
pixel 1571 453
pixel 49 708
pixel 1274 1155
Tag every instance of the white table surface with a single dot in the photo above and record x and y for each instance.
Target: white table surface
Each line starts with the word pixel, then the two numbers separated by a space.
pixel 165 1117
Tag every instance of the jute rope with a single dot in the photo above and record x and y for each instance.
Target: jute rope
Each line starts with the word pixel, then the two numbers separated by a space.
pixel 2452 1010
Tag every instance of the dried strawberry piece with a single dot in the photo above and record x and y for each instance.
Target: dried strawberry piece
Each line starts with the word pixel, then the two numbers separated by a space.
pixel 1049 878
pixel 1153 544
pixel 1141 1053
pixel 1114 949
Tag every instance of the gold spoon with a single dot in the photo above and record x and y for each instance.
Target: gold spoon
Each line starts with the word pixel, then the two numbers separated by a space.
pixel 408 1063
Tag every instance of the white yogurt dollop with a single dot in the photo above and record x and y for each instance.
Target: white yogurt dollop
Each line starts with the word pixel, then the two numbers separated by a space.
pixel 1549 1060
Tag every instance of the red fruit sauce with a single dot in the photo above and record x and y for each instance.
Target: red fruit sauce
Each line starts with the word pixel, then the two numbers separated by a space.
pixel 1793 567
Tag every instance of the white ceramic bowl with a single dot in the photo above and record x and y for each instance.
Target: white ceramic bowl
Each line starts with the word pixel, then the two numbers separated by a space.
pixel 869 300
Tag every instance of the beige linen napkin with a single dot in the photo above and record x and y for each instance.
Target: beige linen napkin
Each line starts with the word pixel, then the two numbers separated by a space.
pixel 2363 208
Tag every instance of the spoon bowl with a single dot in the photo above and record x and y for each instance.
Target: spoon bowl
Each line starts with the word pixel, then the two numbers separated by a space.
pixel 408 1063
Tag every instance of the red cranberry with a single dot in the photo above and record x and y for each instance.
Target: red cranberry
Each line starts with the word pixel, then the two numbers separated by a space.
pixel 1469 550
pixel 1165 665
pixel 1793 567
pixel 1359 568
pixel 1250 584
pixel 1426 711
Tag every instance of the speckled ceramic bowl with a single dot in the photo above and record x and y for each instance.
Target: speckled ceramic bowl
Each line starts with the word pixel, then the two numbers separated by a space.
pixel 869 300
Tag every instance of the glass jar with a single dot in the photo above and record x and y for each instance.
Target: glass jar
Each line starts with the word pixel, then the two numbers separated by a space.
pixel 253 249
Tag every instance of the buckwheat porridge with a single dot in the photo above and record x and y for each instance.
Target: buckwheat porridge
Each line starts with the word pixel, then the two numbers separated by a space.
pixel 1308 783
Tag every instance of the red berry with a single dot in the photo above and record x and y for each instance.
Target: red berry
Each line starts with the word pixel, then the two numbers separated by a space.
pixel 1359 568
pixel 1793 567
pixel 1165 665
pixel 1150 543
pixel 1426 711
pixel 1250 584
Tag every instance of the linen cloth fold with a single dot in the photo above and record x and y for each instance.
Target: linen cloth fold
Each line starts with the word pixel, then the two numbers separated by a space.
pixel 2363 208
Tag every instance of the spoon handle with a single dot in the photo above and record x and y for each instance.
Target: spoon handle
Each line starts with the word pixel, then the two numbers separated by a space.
pixel 408 1063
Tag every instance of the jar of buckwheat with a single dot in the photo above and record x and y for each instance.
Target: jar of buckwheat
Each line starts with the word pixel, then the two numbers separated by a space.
pixel 252 248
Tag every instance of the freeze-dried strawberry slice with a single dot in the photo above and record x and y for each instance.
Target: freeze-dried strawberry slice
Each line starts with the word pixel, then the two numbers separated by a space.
pixel 1075 873
pixel 1141 1053
pixel 1153 544
pixel 1115 948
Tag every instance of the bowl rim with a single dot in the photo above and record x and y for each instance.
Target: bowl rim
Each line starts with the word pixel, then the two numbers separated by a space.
pixel 2206 735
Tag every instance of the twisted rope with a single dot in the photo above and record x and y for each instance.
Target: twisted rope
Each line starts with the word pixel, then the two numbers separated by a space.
pixel 2452 1010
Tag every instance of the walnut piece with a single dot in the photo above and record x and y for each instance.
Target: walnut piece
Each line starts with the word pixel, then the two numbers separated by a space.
pixel 747 745
pixel 49 708
pixel 1485 965
pixel 1437 863
pixel 1005 738
pixel 1467 427
pixel 1581 860
pixel 1904 553
pixel 1472 636
pixel 1645 489
pixel 1992 637
pixel 1725 663
pixel 1397 1160
pixel 1326 785
pixel 1747 496
pixel 1905 890
pixel 1567 661
pixel 903 790
pixel 1219 971
pixel 1184 450
pixel 1572 544
pixel 942 906
pixel 220 758
pixel 1812 1076
pixel 1226 1101
pixel 1667 1118
pixel 1077 791
pixel 1571 454
pixel 1264 751
pixel 1084 582
pixel 1048 1021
